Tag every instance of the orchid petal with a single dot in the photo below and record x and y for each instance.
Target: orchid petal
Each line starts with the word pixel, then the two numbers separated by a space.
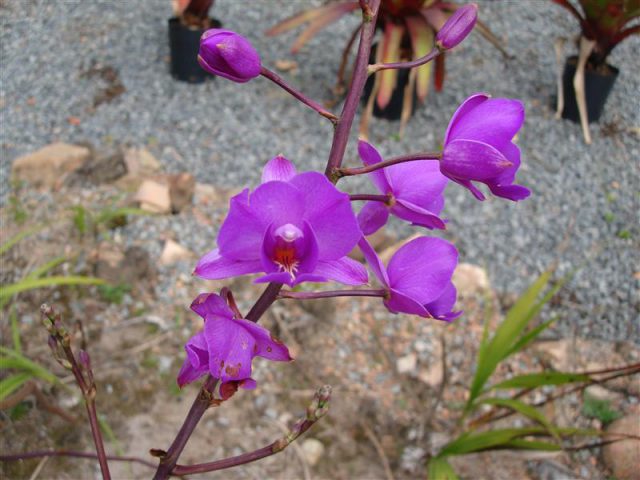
pixel 344 270
pixel 370 156
pixel 214 267
pixel 473 160
pixel 230 349
pixel 416 215
pixel 241 233
pixel 278 168
pixel 400 303
pixel 373 217
pixel 266 346
pixel 209 305
pixel 370 255
pixel 468 105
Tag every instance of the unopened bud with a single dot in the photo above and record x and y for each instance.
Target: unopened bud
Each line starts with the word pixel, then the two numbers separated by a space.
pixel 227 54
pixel 457 27
pixel 83 358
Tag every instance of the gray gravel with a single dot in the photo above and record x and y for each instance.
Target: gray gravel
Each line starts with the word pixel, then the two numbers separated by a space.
pixel 585 198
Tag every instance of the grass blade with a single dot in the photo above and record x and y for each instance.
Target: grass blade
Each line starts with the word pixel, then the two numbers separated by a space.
pixel 533 380
pixel 12 383
pixel 439 469
pixel 32 283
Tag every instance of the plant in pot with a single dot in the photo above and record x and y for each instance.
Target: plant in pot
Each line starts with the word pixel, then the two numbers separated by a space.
pixel 408 31
pixel 190 20
pixel 587 79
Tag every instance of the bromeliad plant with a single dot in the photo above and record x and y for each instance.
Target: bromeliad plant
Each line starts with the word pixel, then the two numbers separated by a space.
pixel 409 32
pixel 603 24
pixel 298 227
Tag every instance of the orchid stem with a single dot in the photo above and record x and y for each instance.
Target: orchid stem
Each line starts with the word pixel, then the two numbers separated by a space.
pixel 277 79
pixel 343 126
pixel 346 172
pixel 315 411
pixel 376 67
pixel 365 197
pixel 332 293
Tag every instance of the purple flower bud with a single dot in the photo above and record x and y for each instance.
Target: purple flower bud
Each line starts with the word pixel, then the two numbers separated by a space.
pixel 457 27
pixel 84 359
pixel 229 55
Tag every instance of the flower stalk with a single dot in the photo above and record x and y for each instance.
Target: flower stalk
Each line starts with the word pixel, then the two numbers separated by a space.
pixel 278 80
pixel 347 172
pixel 376 67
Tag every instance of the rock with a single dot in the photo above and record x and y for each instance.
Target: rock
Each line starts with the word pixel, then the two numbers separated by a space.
pixel 313 450
pixel 556 353
pixel 623 457
pixel 154 197
pixel 130 267
pixel 100 167
pixel 407 363
pixel 600 393
pixel 181 189
pixel 49 166
pixel 141 164
pixel 173 252
pixel 470 279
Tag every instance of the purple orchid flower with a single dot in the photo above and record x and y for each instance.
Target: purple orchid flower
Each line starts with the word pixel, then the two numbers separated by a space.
pixel 458 26
pixel 227 345
pixel 478 146
pixel 229 55
pixel 294 227
pixel 414 189
pixel 418 277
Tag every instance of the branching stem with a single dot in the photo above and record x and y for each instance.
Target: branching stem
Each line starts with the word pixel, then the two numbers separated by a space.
pixel 347 172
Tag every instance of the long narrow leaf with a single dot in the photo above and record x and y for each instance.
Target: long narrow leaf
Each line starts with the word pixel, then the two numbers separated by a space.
pixel 527 410
pixel 12 383
pixel 439 469
pixel 468 443
pixel 17 238
pixel 296 20
pixel 521 444
pixel 533 380
pixel 32 283
pixel 15 330
pixel 50 265
pixel 421 35
pixel 333 13
pixel 391 41
pixel 111 213
pixel 506 334
pixel 19 362
pixel 526 339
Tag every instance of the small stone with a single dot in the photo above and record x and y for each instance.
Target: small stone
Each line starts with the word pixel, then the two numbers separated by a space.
pixel 154 197
pixel 623 457
pixel 286 65
pixel 600 393
pixel 49 166
pixel 470 279
pixel 174 252
pixel 140 161
pixel 407 363
pixel 181 189
pixel 101 167
pixel 313 450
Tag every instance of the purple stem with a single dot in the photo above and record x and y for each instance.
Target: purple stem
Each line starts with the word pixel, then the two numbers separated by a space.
pixel 277 79
pixel 71 453
pixel 346 172
pixel 343 127
pixel 333 293
pixel 366 196
pixel 414 63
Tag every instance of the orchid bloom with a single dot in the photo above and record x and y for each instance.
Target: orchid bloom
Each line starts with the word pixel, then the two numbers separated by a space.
pixel 294 227
pixel 229 55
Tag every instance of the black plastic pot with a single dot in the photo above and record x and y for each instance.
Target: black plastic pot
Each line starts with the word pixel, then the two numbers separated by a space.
pixel 184 43
pixel 597 85
pixel 393 110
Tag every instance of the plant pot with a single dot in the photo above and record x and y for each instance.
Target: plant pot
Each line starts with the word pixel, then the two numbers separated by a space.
pixel 597 85
pixel 393 110
pixel 184 43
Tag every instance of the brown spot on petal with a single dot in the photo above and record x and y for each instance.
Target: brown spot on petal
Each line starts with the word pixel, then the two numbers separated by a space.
pixel 269 349
pixel 232 371
pixel 255 348
pixel 277 340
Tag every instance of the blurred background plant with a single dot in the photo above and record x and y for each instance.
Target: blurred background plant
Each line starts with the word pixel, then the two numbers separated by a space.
pixel 193 13
pixel 490 402
pixel 408 30
pixel 588 78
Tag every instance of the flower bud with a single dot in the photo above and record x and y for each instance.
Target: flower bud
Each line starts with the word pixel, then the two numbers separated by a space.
pixel 229 55
pixel 457 27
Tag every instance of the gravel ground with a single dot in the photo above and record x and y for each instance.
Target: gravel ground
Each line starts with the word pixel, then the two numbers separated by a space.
pixel 584 210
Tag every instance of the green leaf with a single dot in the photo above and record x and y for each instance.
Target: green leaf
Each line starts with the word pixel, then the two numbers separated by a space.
pixel 475 442
pixel 17 238
pixel 507 334
pixel 439 469
pixel 524 409
pixel 32 283
pixel 533 380
pixel 529 337
pixel 15 329
pixel 521 444
pixel 51 264
pixel 109 214
pixel 600 409
pixel 19 362
pixel 80 218
pixel 12 383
